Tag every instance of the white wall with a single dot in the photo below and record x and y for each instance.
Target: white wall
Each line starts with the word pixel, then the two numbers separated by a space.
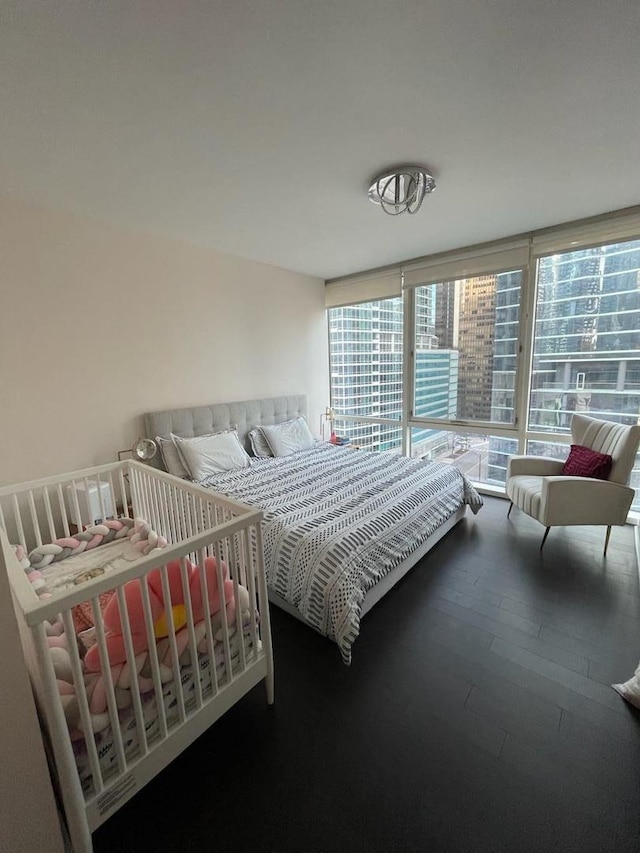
pixel 29 819
pixel 99 325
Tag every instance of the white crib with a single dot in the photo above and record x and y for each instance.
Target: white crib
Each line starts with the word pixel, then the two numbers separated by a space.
pixel 215 660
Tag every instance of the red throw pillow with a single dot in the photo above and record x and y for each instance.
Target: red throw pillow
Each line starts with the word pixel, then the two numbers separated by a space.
pixel 585 462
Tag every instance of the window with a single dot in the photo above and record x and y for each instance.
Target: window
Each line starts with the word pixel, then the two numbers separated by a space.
pixel 365 356
pixel 466 337
pixel 586 353
pixel 475 393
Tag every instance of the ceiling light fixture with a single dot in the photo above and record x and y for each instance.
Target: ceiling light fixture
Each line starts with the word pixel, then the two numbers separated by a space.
pixel 401 190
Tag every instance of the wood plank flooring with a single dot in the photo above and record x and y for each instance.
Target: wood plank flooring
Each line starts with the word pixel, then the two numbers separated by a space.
pixel 477 716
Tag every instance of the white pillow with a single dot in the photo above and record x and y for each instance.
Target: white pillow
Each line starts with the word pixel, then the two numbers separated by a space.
pixel 259 443
pixel 630 690
pixel 287 437
pixel 205 455
pixel 171 458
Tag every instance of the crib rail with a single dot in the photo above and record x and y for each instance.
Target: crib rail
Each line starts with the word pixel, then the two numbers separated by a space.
pixel 42 511
pixel 36 610
pixel 176 635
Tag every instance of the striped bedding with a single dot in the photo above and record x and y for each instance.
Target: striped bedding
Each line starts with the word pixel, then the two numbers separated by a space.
pixel 338 520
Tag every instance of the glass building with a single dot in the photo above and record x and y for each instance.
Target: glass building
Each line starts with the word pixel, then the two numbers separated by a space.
pixel 366 352
pixel 366 357
pixel 587 337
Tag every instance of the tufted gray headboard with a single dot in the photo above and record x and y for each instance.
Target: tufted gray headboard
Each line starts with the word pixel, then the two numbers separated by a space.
pixel 244 415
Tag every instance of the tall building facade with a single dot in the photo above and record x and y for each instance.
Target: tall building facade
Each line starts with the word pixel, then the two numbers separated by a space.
pixel 505 343
pixel 447 311
pixel 435 396
pixel 365 353
pixel 476 327
pixel 587 337
pixel 366 361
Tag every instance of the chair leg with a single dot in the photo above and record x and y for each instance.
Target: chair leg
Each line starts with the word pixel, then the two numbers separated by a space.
pixel 606 541
pixel 544 538
pixel 510 508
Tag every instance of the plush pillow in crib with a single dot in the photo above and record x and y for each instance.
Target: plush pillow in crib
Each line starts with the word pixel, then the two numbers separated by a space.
pixel 206 455
pixel 288 437
pixel 259 443
pixel 171 458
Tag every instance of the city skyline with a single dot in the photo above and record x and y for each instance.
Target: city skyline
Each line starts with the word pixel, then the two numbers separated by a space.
pixel 585 358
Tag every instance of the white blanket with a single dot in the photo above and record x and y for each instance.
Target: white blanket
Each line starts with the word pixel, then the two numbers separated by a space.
pixel 338 520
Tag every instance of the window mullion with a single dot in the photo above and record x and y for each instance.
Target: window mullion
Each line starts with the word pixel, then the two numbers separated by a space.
pixel 524 361
pixel 408 366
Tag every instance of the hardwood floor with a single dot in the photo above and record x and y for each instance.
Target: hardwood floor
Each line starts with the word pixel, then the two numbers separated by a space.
pixel 477 716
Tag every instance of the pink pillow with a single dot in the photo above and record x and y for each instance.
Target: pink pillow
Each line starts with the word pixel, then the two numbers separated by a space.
pixel 585 462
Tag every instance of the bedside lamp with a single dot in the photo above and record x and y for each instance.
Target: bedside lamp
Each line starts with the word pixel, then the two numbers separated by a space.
pixel 144 449
pixel 328 417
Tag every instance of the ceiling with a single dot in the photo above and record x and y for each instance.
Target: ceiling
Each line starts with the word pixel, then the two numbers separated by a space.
pixel 254 127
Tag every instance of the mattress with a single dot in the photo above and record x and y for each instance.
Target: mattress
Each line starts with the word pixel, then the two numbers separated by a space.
pixel 338 520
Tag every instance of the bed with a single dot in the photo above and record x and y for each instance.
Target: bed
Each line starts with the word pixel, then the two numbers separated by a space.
pixel 341 526
pixel 140 627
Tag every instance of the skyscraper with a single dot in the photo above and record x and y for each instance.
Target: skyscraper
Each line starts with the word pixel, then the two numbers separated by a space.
pixel 366 359
pixel 587 337
pixel 476 327
pixel 365 352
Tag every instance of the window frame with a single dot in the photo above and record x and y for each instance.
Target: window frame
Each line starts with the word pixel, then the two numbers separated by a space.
pixel 475 426
pixel 531 434
pixel 623 226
